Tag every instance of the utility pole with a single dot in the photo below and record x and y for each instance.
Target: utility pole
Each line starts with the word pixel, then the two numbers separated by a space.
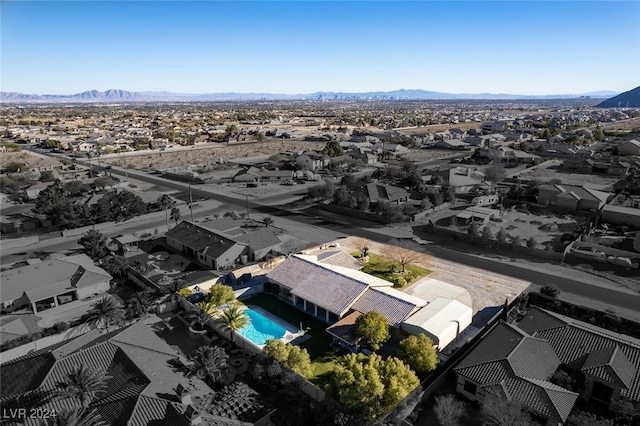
pixel 247 203
pixel 190 202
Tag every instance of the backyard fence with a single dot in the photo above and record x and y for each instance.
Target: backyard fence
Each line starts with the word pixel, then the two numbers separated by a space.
pixel 43 343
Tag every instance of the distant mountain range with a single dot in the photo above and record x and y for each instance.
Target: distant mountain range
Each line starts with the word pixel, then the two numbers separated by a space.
pixel 630 99
pixel 116 95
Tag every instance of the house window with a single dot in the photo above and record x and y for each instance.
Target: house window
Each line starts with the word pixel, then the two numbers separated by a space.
pixel 470 387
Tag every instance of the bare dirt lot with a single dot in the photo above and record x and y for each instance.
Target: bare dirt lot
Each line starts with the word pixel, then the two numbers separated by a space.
pixel 567 177
pixel 212 155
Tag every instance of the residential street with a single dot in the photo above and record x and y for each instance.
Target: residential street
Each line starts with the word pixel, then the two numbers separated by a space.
pixel 575 285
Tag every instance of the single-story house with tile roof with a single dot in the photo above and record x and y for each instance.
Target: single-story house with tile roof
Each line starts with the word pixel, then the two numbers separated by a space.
pixel 142 387
pixel 220 250
pixel 381 192
pixel 52 283
pixel 608 362
pixel 510 363
pixel 337 294
pixel 261 243
pixel 206 246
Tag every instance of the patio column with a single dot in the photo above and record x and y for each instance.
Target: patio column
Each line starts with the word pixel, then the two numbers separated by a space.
pixel 326 315
pixel 315 310
pixel 55 301
pixel 304 303
pixel 33 306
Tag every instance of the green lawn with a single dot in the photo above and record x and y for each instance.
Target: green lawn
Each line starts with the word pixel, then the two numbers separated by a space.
pixel 318 346
pixel 385 269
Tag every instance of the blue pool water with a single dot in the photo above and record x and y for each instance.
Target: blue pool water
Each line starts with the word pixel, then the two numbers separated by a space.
pixel 260 328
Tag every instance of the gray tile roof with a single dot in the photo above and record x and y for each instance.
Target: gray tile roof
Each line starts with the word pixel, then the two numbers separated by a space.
pixel 201 239
pixel 260 239
pixel 340 258
pixel 316 283
pixel 610 364
pixel 394 309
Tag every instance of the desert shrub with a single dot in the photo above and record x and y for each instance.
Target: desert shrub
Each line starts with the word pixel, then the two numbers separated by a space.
pixel 550 290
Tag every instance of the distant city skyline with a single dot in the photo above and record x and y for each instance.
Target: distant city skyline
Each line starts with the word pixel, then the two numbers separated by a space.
pixel 515 47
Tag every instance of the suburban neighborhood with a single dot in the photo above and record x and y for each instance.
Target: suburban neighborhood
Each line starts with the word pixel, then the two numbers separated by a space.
pixel 320 262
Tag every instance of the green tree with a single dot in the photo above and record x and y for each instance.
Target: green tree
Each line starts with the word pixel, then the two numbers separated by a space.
pixel 139 304
pixel 494 174
pixel 117 206
pixel 277 349
pixel 333 149
pixel 13 167
pixel 449 410
pixel 115 265
pixel 175 214
pixel 373 329
pixel 486 233
pixel 82 384
pixel 94 244
pixel 235 319
pixel 208 363
pixel 165 202
pixel 106 313
pixel 370 385
pixel 532 242
pixel 598 134
pixel 292 356
pixel 473 229
pixel 501 236
pixel 419 353
pixel 220 294
pixel 75 416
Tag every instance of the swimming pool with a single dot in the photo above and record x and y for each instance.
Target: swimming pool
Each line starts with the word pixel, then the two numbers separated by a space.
pixel 261 328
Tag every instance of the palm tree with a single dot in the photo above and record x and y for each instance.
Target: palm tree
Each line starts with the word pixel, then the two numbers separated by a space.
pixel 115 265
pixel 203 313
pixel 208 363
pixel 165 201
pixel 83 384
pixel 89 156
pixel 175 214
pixel 235 319
pixel 138 305
pixel 75 416
pixel 105 313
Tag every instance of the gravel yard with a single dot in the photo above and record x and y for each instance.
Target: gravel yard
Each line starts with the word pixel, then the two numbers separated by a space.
pixel 487 289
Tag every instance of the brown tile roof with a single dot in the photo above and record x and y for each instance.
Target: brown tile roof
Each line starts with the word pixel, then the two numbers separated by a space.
pixel 345 328
pixel 394 309
pixel 518 366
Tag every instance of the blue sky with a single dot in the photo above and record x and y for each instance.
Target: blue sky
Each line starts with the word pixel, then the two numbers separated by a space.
pixel 518 47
